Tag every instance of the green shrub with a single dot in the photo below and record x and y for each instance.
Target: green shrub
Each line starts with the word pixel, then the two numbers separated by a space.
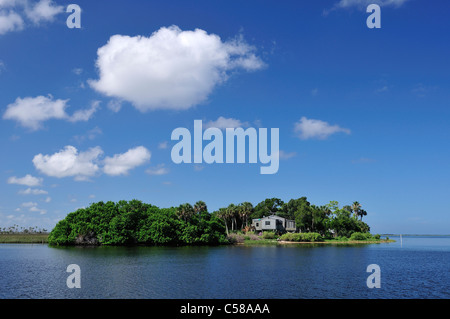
pixel 361 236
pixel 268 235
pixel 302 237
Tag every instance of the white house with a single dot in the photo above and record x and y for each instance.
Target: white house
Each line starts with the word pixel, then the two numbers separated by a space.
pixel 274 223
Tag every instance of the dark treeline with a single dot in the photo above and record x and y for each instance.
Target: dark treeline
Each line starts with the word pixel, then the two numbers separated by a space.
pixel 134 222
pixel 15 229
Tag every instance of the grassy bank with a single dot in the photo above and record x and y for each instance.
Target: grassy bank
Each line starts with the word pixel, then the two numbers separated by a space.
pixel 21 238
pixel 269 238
pixel 327 241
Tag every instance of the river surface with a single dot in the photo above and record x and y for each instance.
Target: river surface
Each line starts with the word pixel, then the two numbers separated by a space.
pixel 415 267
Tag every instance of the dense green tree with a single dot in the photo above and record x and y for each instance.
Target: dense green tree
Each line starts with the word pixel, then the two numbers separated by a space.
pixel 129 223
pixel 267 207
pixel 245 209
pixel 232 213
pixel 200 207
pixel 185 211
pixel 223 215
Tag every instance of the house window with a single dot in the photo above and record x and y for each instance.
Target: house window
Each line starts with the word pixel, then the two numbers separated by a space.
pixel 257 224
pixel 267 222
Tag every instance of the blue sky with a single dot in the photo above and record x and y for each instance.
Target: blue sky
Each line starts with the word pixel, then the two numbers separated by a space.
pixel 363 113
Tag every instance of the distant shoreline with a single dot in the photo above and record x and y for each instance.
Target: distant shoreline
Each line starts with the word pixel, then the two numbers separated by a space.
pixel 21 238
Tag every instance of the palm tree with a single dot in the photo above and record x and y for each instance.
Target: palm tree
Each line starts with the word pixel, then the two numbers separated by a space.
pixel 245 209
pixel 185 211
pixel 200 207
pixel 362 213
pixel 223 214
pixel 231 213
pixel 356 208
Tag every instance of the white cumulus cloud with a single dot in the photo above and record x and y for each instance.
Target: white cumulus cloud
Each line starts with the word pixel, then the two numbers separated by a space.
pixel 15 13
pixel 68 162
pixel 27 180
pixel 121 164
pixel 31 112
pixel 44 10
pixel 170 69
pixel 10 21
pixel 310 129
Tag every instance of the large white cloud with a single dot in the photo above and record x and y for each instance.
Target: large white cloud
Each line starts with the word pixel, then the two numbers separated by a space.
pixel 171 69
pixel 68 162
pixel 31 112
pixel 316 129
pixel 121 164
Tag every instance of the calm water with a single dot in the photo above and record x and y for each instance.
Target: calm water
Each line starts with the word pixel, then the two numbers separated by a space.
pixel 417 268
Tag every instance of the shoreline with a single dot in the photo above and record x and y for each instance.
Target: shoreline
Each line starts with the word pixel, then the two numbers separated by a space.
pixel 42 239
pixel 338 242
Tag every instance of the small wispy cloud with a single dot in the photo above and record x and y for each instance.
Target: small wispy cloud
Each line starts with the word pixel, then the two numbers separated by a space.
pixel 114 105
pixel 163 145
pixel 33 191
pixel 422 90
pixel 286 155
pixel 362 4
pixel 223 123
pixel 158 170
pixel 316 129
pixel 77 71
pixel 89 135
pixel 33 207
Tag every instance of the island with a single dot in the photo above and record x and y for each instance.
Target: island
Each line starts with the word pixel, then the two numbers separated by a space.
pixel 137 223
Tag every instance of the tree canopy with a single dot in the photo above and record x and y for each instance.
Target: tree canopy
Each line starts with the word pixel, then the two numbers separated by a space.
pixel 134 222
